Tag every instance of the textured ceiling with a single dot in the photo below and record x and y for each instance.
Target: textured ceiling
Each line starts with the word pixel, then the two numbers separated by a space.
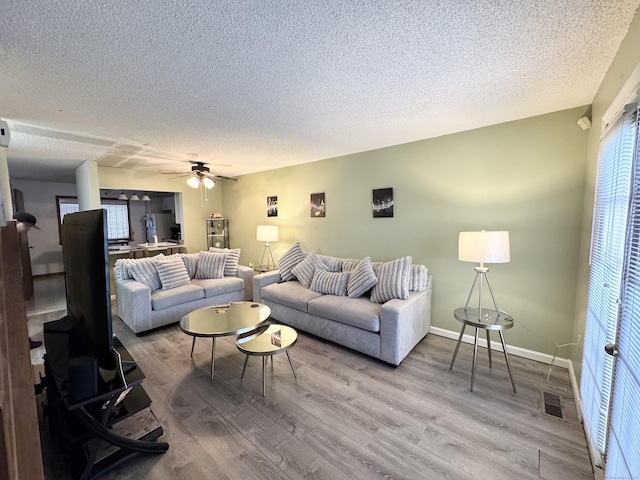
pixel 255 85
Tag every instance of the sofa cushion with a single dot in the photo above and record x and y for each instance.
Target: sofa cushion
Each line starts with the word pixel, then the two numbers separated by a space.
pixel 183 294
pixel 357 312
pixel 172 273
pixel 290 294
pixel 419 278
pixel 333 264
pixel 231 262
pixel 361 279
pixel 144 271
pixel 191 262
pixel 290 259
pixel 219 286
pixel 211 265
pixel 330 283
pixel 306 268
pixel 393 280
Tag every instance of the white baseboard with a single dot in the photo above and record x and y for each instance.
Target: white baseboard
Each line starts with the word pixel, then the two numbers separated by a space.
pixel 517 351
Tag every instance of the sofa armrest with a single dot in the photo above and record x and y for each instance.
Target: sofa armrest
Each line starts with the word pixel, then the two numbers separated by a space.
pixel 403 323
pixel 134 304
pixel 262 280
pixel 246 274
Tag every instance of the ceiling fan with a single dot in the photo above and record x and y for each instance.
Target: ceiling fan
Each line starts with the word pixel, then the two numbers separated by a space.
pixel 201 175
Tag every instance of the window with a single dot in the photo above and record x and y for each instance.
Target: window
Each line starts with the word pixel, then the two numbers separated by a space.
pixel 118 220
pixel 610 384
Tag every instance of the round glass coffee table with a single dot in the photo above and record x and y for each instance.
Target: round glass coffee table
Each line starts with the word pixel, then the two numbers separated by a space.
pixel 222 321
pixel 266 341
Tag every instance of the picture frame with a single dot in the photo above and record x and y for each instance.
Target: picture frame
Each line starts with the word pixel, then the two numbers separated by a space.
pixel 317 205
pixel 272 206
pixel 382 205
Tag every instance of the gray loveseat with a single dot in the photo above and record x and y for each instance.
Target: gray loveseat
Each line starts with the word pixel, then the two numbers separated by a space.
pixel 387 331
pixel 143 307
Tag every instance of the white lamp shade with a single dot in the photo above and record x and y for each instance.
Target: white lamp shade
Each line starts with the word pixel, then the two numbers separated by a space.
pixel 267 233
pixel 193 182
pixel 134 197
pixel 484 247
pixel 123 196
pixel 145 198
pixel 208 183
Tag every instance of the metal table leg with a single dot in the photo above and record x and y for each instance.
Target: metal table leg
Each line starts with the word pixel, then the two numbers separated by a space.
pixel 213 352
pixel 506 357
pixel 475 356
pixel 264 367
pixel 291 363
pixel 246 359
pixel 489 347
pixel 455 353
pixel 193 344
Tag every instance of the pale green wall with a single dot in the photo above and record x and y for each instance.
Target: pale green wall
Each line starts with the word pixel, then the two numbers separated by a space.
pixel 626 60
pixel 195 210
pixel 525 176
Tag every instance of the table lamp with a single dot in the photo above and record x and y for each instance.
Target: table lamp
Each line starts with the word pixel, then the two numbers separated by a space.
pixel 267 233
pixel 483 247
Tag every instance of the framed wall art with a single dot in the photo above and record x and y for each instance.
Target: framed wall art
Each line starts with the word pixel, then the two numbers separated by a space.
pixel 382 202
pixel 272 206
pixel 317 205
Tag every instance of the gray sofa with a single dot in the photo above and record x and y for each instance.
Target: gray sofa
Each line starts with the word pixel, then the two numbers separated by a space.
pixel 387 331
pixel 142 308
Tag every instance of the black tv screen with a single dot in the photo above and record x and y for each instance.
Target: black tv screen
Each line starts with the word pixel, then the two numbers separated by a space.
pixel 86 264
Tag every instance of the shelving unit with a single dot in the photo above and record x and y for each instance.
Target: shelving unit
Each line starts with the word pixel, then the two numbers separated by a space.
pixel 217 233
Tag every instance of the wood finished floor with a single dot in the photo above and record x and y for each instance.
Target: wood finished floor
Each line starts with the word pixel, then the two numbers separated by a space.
pixel 347 416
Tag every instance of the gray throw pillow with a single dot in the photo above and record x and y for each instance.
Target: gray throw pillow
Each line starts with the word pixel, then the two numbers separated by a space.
pixel 333 264
pixel 349 264
pixel 233 259
pixel 190 261
pixel 172 273
pixel 330 283
pixel 419 278
pixel 144 271
pixel 393 280
pixel 211 265
pixel 290 259
pixel 306 268
pixel 362 279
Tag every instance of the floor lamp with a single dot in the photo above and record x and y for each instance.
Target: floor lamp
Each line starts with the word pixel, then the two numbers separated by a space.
pixel 483 247
pixel 267 233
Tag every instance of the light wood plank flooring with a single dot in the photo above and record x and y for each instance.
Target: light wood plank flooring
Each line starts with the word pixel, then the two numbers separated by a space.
pixel 347 416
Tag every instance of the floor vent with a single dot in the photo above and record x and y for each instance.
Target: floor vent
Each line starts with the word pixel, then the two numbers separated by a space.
pixel 552 404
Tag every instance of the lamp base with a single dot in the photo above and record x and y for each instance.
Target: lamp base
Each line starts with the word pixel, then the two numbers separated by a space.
pixel 481 274
pixel 269 255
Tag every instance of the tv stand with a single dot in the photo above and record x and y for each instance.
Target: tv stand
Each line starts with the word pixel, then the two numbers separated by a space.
pixel 111 423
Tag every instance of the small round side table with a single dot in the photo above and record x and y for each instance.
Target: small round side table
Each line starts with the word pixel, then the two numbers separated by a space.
pixel 487 320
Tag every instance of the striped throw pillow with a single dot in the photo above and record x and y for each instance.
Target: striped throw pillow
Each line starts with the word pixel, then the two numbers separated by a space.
pixel 144 271
pixel 233 259
pixel 290 259
pixel 190 261
pixel 330 283
pixel 306 268
pixel 333 264
pixel 211 265
pixel 393 280
pixel 172 273
pixel 362 279
pixel 349 264
pixel 419 278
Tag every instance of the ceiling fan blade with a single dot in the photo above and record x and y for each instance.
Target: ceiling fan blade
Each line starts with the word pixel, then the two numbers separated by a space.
pixel 217 177
pixel 181 176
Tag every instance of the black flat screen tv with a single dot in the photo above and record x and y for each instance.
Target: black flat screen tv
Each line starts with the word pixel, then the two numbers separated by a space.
pixel 86 264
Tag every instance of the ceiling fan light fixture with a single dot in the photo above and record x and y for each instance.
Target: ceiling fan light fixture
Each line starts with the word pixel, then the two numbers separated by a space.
pixel 193 182
pixel 123 196
pixel 208 182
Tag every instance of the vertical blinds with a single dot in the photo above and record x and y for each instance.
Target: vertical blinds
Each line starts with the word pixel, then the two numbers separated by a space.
pixel 623 449
pixel 613 190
